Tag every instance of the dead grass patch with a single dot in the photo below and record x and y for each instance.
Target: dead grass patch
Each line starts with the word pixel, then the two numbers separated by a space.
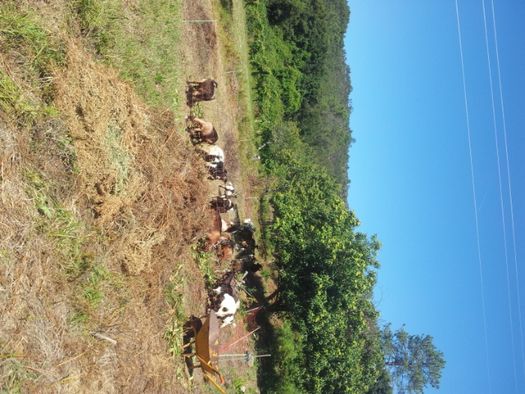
pixel 98 207
pixel 101 196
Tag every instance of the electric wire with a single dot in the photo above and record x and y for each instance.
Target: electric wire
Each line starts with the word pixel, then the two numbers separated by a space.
pixel 483 306
pixel 496 140
pixel 511 206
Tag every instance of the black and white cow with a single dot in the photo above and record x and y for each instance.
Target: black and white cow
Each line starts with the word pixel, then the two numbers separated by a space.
pixel 224 299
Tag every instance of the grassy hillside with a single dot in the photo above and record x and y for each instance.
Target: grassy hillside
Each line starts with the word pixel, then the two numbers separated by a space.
pixel 96 224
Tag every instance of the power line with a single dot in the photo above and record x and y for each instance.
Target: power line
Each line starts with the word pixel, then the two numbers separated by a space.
pixel 513 227
pixel 509 298
pixel 483 307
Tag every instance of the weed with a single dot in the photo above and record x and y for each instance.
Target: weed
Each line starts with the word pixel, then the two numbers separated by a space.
pixel 12 101
pixel 197 110
pixel 98 22
pixel 205 263
pixel 60 225
pixel 140 44
pixel 174 330
pixel 20 31
pixel 13 374
pixel 78 319
pixel 119 157
pixel 92 291
pixel 23 38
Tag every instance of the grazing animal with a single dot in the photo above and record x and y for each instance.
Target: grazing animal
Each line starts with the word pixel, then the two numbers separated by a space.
pixel 203 90
pixel 225 247
pixel 217 171
pixel 212 153
pixel 214 235
pixel 224 299
pixel 221 244
pixel 228 190
pixel 221 204
pixel 201 131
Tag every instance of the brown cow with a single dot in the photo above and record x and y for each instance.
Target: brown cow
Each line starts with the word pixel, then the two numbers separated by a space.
pixel 214 235
pixel 201 131
pixel 224 248
pixel 203 90
pixel 221 244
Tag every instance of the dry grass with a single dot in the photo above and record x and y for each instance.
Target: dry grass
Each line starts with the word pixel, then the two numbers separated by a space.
pixel 97 207
pixel 101 196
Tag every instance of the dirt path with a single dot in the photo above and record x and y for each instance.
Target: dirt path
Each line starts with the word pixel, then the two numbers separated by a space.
pixel 202 58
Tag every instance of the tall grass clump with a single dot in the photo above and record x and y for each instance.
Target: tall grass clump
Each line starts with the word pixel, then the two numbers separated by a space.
pixel 139 41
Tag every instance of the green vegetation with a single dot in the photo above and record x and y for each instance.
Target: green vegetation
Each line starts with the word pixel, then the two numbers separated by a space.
pixel 173 294
pixel 301 76
pixel 140 43
pixel 326 270
pixel 326 273
pixel 59 225
pixel 12 101
pixel 205 263
pixel 413 360
pixel 70 238
pixel 13 374
pixel 27 97
pixel 22 31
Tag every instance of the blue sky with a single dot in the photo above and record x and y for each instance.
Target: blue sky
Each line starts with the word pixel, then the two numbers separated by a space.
pixel 411 178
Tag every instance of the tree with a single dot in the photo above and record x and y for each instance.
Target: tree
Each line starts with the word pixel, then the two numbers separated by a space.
pixel 413 360
pixel 383 385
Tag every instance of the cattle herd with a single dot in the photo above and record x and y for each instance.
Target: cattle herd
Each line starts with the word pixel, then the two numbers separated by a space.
pixel 231 241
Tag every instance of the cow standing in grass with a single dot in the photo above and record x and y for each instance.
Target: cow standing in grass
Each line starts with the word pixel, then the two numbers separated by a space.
pixel 203 90
pixel 224 299
pixel 201 131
